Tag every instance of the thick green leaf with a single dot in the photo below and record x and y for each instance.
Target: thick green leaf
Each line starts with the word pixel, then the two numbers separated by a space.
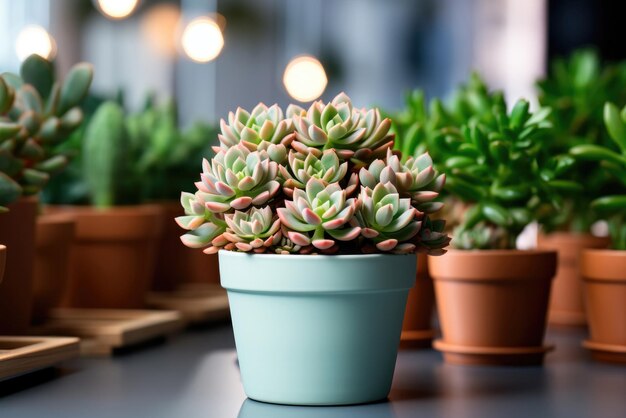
pixel 10 191
pixel 610 204
pixel 597 153
pixel 75 87
pixel 615 125
pixel 496 214
pixel 39 73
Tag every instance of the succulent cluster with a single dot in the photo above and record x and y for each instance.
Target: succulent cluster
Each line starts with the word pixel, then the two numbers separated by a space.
pixel 36 114
pixel 576 89
pixel 127 158
pixel 322 180
pixel 612 160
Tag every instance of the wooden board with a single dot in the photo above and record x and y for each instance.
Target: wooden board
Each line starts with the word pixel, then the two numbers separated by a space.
pixel 20 355
pixel 104 330
pixel 197 303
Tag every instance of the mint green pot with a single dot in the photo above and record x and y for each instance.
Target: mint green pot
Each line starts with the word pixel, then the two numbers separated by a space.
pixel 317 330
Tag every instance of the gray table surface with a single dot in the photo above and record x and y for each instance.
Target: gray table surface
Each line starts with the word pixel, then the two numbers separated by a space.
pixel 195 375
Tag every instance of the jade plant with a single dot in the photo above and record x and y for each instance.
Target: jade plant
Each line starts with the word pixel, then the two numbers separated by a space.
pixel 322 180
pixel 576 89
pixel 496 167
pixel 37 113
pixel 613 161
pixel 128 158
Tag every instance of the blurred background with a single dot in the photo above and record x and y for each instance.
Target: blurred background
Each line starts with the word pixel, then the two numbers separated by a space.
pixel 212 56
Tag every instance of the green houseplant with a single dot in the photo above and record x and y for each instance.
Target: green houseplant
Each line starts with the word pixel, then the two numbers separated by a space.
pixel 604 271
pixel 319 181
pixel 492 298
pixel 37 112
pixel 576 89
pixel 128 167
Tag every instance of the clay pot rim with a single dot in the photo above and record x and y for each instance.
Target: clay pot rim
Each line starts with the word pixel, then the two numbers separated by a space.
pixel 443 346
pixel 612 348
pixel 469 266
pixel 317 256
pixel 603 271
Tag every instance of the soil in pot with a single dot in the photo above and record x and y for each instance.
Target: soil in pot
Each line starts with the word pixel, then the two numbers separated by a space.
pixel 492 305
pixel 54 239
pixel 178 264
pixel 113 257
pixel 317 330
pixel 417 328
pixel 566 306
pixel 17 233
pixel 604 273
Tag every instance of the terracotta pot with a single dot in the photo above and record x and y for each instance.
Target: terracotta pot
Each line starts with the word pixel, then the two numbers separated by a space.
pixel 604 273
pixel 17 232
pixel 566 302
pixel 113 258
pixel 417 329
pixel 492 305
pixel 54 239
pixel 177 264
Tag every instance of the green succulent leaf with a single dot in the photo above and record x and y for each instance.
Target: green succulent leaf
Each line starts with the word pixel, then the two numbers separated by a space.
pixel 615 125
pixel 39 73
pixel 75 87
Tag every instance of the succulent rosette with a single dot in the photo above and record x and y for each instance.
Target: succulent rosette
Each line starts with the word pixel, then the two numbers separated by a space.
pixel 265 128
pixel 357 135
pixel 254 230
pixel 319 215
pixel 324 166
pixel 417 179
pixel 237 178
pixel 322 180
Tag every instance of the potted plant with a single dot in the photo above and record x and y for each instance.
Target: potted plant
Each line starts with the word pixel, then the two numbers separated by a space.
pixel 116 237
pixel 165 155
pixel 576 89
pixel 604 271
pixel 492 299
pixel 420 127
pixel 317 222
pixel 37 112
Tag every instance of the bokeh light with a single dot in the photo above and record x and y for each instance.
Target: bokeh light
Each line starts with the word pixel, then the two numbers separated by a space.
pixel 117 9
pixel 305 78
pixel 202 40
pixel 34 39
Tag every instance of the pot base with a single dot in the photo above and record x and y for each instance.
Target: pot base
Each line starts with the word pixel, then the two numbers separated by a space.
pixel 417 339
pixel 609 353
pixel 567 319
pixel 492 356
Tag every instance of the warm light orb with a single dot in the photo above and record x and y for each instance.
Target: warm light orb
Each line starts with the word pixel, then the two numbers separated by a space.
pixel 34 39
pixel 202 40
pixel 117 9
pixel 305 78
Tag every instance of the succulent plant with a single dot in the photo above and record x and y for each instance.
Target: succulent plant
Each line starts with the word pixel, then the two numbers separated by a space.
pixel 613 161
pixel 497 167
pixel 319 215
pixel 237 178
pixel 416 179
pixel 357 135
pixel 263 129
pixel 255 230
pixel 37 113
pixel 241 206
pixel 155 163
pixel 324 166
pixel 576 89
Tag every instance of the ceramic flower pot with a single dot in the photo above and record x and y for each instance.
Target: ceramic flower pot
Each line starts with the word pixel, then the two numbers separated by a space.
pixel 17 233
pixel 317 330
pixel 114 255
pixel 566 306
pixel 54 239
pixel 492 305
pixel 604 273
pixel 176 263
pixel 417 328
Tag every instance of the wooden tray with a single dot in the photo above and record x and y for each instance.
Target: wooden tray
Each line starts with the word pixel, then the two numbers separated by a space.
pixel 102 331
pixel 20 355
pixel 197 303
